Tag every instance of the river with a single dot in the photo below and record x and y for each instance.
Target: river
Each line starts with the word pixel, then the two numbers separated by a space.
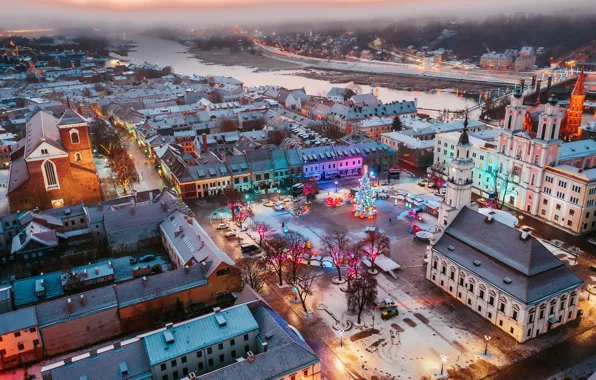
pixel 171 53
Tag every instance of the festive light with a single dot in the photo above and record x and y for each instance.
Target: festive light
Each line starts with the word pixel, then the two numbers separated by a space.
pixel 364 199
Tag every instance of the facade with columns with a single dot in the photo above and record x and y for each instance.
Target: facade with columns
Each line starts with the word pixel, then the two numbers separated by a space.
pixel 506 276
pixel 535 172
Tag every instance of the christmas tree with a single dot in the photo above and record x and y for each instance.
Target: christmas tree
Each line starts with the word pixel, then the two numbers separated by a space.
pixel 364 199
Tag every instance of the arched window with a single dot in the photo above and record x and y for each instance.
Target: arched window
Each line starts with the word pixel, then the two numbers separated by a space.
pixel 74 136
pixel 78 156
pixel 50 175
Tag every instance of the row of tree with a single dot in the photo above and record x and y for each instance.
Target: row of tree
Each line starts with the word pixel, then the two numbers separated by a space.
pixel 285 253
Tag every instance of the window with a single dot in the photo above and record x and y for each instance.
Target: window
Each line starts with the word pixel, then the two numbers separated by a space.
pixel 481 295
pixel 502 307
pixel 531 320
pixel 233 354
pixel 21 346
pixel 472 287
pixel 574 200
pixel 163 366
pixel 50 176
pixel 500 322
pixel 184 371
pixel 576 189
pixel 175 375
pixel 491 301
pixel 562 184
pixel 183 359
pixel 222 272
pixel 444 270
pixel 210 363
pixel 245 337
pixel 529 333
pixel 199 354
pixel 74 136
pixel 479 308
pixel 201 366
pixel 17 334
pixel 461 281
pixel 545 202
pixel 514 316
pixel 220 346
pixel 173 363
pixel 246 348
pixel 541 314
pixel 232 342
pixel 452 275
pixel 209 350
pixel 548 179
pixel 78 157
pixel 511 330
pixel 164 377
pixel 221 358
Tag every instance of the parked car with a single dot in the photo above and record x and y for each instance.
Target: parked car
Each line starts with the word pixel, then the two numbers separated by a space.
pixel 249 248
pixel 279 206
pixel 146 258
pixel 223 226
pixel 383 194
pixel 388 314
pixel 385 303
pixel 431 185
pixel 370 229
pixel 230 234
pixel 422 182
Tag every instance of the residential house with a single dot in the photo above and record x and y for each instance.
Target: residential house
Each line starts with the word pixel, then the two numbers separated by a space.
pixel 20 342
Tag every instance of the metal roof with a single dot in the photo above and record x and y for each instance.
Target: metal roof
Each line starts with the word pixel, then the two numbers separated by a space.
pixel 17 320
pixel 199 333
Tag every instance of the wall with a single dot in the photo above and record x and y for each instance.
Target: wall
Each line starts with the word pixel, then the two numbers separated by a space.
pixel 79 332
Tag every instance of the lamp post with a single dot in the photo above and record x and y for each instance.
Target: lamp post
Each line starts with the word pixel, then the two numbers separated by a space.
pixel 279 194
pixel 340 332
pixel 486 339
pixel 336 182
pixel 443 359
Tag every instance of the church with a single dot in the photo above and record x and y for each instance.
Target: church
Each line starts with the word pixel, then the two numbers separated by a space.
pixel 55 166
pixel 505 275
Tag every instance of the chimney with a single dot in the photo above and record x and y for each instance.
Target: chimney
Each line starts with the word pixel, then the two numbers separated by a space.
pixel 186 269
pixel 205 148
pixel 265 346
pixel 490 217
pixel 109 264
pixel 250 356
pixel 69 306
pixel 163 206
pixel 92 353
pixel 85 272
pixel 117 345
pixel 204 264
pixel 132 210
pixel 526 233
pixel 144 281
pixel 169 325
pixel 83 300
pixel 533 80
pixel 189 220
pixel 96 270
pixel 99 206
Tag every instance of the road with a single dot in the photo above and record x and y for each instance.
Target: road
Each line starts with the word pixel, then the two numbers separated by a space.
pixel 148 177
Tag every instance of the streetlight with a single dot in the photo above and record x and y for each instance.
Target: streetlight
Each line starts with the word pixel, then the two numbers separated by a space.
pixel 486 338
pixel 340 332
pixel 279 194
pixel 336 182
pixel 443 360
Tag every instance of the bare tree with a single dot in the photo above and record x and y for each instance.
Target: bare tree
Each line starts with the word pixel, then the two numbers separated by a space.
pixel 500 186
pixel 362 295
pixel 252 273
pixel 373 245
pixel 275 255
pixel 303 284
pixel 335 244
pixel 356 89
pixel 295 244
pixel 353 260
pixel 262 229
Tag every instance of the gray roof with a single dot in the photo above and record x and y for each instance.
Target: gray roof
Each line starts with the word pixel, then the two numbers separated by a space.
pixel 286 352
pixel 259 160
pixel 71 117
pixel 535 272
pixel 136 291
pixel 346 112
pixel 145 215
pixel 106 365
pixel 17 320
pixel 56 311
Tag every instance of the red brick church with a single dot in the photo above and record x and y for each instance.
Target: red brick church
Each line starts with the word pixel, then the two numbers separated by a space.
pixel 55 168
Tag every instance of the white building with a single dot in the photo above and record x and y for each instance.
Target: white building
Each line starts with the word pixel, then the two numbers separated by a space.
pixel 508 277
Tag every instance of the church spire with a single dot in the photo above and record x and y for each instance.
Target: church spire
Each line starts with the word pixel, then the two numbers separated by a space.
pixel 579 85
pixel 464 139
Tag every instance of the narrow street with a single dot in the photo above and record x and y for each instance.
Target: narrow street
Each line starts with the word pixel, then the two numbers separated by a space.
pixel 148 177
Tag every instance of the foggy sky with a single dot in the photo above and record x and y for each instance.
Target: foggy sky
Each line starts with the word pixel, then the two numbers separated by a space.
pixel 194 13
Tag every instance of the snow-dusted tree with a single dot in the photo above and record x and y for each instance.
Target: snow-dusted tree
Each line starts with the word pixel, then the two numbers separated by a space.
pixel 275 255
pixel 303 284
pixel 262 229
pixel 373 245
pixel 252 273
pixel 362 295
pixel 336 244
pixel 295 244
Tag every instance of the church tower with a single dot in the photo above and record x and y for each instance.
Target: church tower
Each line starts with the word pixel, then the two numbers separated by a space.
pixel 576 106
pixel 549 122
pixel 515 112
pixel 459 184
pixel 74 136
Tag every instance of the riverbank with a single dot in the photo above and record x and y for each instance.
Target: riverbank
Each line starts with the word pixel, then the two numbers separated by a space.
pixel 257 61
pixel 396 82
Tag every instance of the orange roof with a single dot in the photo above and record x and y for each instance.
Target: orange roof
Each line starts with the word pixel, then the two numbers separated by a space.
pixel 579 85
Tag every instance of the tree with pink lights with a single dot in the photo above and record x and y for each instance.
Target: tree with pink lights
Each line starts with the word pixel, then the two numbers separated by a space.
pixel 275 255
pixel 335 244
pixel 262 229
pixel 295 244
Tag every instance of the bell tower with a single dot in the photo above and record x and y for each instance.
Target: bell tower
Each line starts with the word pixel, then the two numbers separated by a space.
pixel 576 106
pixel 459 184
pixel 515 112
pixel 549 122
pixel 74 137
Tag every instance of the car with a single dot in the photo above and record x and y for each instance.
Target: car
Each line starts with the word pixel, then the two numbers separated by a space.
pixel 431 185
pixel 249 248
pixel 385 303
pixel 223 226
pixel 279 206
pixel 422 183
pixel 146 258
pixel 231 234
pixel 370 229
pixel 388 314
pixel 382 195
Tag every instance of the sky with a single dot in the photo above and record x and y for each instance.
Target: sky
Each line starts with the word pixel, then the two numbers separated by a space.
pixel 193 13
